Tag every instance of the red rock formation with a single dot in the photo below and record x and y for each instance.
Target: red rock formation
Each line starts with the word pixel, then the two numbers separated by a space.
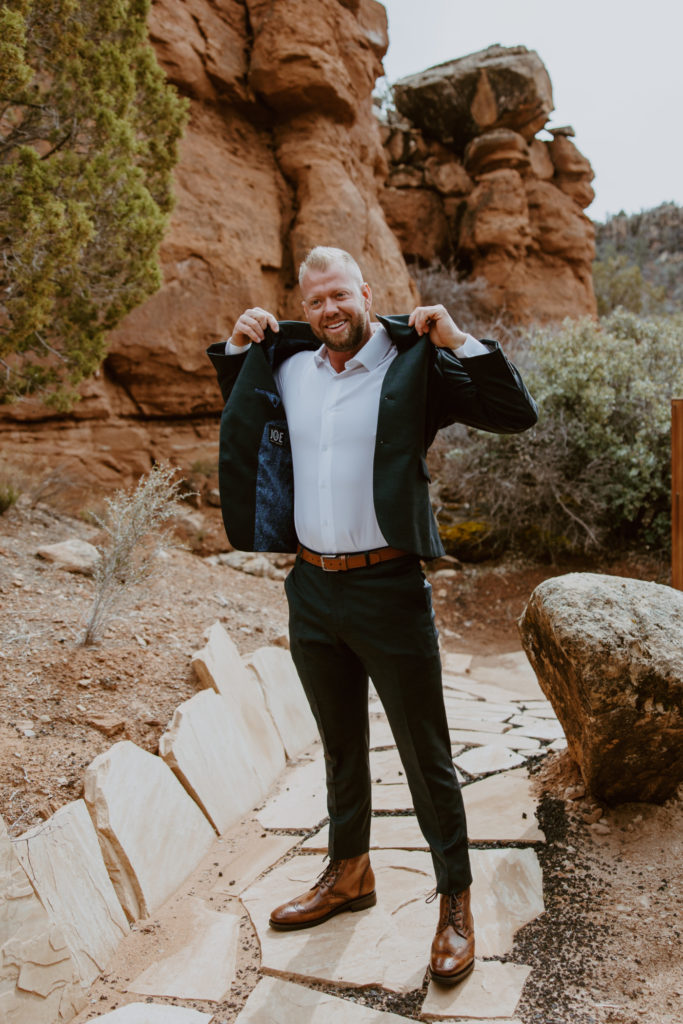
pixel 504 209
pixel 282 153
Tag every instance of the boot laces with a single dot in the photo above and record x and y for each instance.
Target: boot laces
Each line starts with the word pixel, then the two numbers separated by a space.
pixel 329 875
pixel 452 911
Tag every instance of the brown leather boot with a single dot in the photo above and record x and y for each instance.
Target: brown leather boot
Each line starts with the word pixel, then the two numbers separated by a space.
pixel 343 885
pixel 452 956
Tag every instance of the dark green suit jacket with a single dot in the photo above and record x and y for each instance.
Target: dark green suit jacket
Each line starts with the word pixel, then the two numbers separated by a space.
pixel 425 388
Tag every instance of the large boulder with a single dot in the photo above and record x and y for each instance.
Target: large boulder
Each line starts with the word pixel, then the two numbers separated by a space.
pixel 500 87
pixel 608 653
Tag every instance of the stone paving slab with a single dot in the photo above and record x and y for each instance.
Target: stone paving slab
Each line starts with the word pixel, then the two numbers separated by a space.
pixel 486 759
pixel 282 1002
pixel 203 960
pixel 513 739
pixel 152 833
pixel 285 698
pixel 63 860
pixel 541 729
pixel 207 747
pixel 474 724
pixel 502 808
pixel 149 1013
pixel 455 662
pixel 389 944
pixel 241 868
pixel 492 990
pixel 380 733
pixel 301 801
pixel 511 672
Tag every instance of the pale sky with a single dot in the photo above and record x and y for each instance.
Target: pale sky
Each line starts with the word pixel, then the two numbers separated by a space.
pixel 616 68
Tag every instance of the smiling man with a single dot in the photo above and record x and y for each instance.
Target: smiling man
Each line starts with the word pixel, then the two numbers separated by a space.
pixel 324 436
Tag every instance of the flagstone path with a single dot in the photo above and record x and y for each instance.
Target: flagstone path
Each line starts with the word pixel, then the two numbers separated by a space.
pixel 499 719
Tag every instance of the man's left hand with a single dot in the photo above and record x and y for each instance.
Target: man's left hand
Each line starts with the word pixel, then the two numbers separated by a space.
pixel 438 324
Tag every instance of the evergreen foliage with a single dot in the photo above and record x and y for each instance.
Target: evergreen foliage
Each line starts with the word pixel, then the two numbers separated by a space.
pixel 88 138
pixel 595 472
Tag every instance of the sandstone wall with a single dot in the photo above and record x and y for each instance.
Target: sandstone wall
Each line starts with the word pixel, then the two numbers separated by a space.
pixel 472 188
pixel 282 152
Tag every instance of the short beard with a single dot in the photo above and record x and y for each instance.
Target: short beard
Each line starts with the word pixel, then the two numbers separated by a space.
pixel 353 340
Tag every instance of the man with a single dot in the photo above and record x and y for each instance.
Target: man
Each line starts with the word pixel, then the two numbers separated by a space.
pixel 323 443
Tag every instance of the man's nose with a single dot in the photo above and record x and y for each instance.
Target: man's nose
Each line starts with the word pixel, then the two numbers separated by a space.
pixel 330 305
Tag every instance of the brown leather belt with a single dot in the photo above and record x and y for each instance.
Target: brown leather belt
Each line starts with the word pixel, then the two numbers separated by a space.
pixel 357 560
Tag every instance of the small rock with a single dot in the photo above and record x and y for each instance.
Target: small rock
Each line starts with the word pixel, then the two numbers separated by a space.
pixel 62 781
pixel 29 733
pixel 83 682
pixel 593 816
pixel 45 718
pixel 106 723
pixel 600 829
pixel 281 640
pixel 574 792
pixel 73 555
pixel 141 640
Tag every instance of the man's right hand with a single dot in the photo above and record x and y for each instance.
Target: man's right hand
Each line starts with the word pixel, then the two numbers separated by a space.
pixel 251 326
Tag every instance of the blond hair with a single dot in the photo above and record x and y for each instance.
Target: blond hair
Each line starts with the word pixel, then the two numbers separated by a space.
pixel 322 257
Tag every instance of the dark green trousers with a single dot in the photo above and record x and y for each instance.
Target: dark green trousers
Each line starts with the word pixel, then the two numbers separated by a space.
pixel 378 622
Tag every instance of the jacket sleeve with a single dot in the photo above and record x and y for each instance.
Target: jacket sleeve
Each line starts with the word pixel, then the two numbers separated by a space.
pixel 483 391
pixel 227 367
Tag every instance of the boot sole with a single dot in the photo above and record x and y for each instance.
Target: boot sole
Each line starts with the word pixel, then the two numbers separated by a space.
pixel 360 903
pixel 451 979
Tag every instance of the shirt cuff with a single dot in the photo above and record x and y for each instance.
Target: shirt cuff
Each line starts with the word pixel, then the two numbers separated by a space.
pixel 235 350
pixel 471 347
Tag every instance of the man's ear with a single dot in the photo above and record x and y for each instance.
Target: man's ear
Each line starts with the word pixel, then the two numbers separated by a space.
pixel 305 309
pixel 366 292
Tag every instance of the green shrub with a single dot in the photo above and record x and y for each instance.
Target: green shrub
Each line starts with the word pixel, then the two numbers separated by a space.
pixel 596 468
pixel 619 282
pixel 9 495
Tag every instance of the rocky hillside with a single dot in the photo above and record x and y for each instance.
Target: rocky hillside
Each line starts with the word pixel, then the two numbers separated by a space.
pixel 653 241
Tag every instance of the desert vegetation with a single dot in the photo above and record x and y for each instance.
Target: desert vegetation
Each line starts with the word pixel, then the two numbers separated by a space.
pixel 88 138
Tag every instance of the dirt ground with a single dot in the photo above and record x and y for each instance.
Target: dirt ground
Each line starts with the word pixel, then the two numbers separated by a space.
pixel 608 949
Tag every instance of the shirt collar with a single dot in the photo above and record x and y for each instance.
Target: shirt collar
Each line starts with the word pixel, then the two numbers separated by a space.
pixel 375 349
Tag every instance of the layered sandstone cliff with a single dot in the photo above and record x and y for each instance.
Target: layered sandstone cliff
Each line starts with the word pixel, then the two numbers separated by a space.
pixel 471 187
pixel 282 152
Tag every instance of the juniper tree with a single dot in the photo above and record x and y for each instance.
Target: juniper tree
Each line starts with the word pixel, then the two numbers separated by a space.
pixel 88 138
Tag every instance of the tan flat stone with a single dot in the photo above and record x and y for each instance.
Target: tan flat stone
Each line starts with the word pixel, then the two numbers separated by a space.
pixel 486 759
pixel 285 698
pixel 502 808
pixel 218 666
pixel 399 833
pixel 385 765
pixel 539 728
pixel 512 739
pixel 389 944
pixel 151 832
pixel 208 748
pixel 455 662
pixel 244 866
pixel 474 725
pixel 282 1002
pixel 492 990
pixel 63 860
pixel 301 799
pixel 510 672
pixel 38 977
pixel 202 959
pixel 148 1013
pixel 392 797
pixel 380 732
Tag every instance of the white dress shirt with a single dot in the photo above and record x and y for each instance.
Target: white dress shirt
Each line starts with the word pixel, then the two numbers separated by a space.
pixel 332 420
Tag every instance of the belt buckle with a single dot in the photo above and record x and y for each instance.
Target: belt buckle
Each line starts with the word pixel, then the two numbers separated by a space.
pixel 326 568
